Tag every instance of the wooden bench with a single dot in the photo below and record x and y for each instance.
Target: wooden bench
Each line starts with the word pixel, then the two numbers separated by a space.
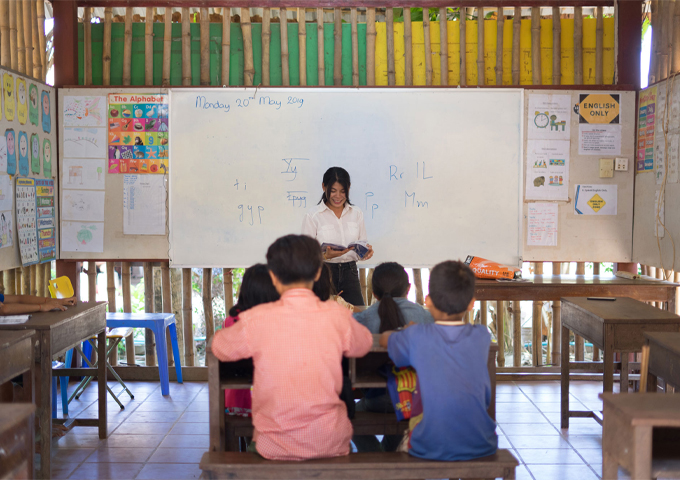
pixel 357 466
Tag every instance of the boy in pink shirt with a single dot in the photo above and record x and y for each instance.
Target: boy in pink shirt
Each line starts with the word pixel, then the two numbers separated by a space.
pixel 297 344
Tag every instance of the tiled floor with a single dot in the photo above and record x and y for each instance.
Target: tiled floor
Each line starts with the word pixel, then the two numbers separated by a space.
pixel 158 437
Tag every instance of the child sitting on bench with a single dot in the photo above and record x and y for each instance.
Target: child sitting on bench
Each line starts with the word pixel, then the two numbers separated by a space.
pixel 450 359
pixel 297 344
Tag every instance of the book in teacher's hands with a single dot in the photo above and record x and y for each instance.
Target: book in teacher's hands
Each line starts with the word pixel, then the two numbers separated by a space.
pixel 360 247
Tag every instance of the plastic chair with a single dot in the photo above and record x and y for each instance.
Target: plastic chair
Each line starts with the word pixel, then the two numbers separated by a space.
pixel 61 288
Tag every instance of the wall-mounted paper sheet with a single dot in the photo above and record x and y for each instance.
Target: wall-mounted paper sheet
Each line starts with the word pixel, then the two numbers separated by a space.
pixel 3 154
pixel 82 205
pixel 599 139
pixel 84 111
pixel 674 154
pixel 83 174
pixel 144 205
pixel 85 142
pixel 547 170
pixel 542 224
pixel 82 237
pixel 6 193
pixel 595 200
pixel 660 220
pixel 6 229
pixel 549 117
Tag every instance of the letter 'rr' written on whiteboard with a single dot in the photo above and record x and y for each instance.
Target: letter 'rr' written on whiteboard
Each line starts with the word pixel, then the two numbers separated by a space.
pixel 437 173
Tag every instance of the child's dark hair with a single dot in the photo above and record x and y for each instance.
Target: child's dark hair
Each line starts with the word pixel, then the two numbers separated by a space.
pixel 294 258
pixel 323 287
pixel 333 175
pixel 390 280
pixel 452 286
pixel 256 288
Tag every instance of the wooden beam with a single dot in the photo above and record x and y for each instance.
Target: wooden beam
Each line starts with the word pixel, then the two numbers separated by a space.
pixel 500 23
pixel 355 49
pixel 148 47
pixel 14 48
pixel 578 45
pixel 443 47
pixel 337 47
pixel 21 40
pixel 302 47
pixel 37 32
pixel 127 47
pixel 557 46
pixel 186 47
pixel 285 66
pixel 516 29
pixel 463 45
pixel 248 62
pixel 629 45
pixel 42 38
pixel 28 36
pixel 106 51
pixel 205 47
pixel 370 46
pixel 266 39
pixel 167 47
pixel 536 46
pixel 341 3
pixel 481 80
pixel 408 48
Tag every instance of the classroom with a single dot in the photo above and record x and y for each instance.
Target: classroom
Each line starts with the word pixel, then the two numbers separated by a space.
pixel 296 239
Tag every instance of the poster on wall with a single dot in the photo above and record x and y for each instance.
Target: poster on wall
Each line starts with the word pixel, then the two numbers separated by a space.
pixel 36 220
pixel 47 244
pixel 599 108
pixel 547 170
pixel 595 200
pixel 646 124
pixel 138 133
pixel 542 224
pixel 549 117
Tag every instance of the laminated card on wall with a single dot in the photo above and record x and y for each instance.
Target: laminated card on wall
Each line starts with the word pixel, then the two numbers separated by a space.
pixel 595 200
pixel 35 220
pixel 144 205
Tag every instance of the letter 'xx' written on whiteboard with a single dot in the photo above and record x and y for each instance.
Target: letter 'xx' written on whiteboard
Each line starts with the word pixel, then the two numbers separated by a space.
pixel 203 103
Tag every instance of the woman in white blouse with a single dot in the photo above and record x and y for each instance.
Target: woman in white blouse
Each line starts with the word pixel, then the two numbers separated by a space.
pixel 339 222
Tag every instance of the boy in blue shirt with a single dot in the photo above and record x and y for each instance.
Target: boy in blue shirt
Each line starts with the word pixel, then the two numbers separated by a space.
pixel 450 359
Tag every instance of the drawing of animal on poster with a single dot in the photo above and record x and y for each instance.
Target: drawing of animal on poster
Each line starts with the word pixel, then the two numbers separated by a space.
pixel 82 237
pixel 84 111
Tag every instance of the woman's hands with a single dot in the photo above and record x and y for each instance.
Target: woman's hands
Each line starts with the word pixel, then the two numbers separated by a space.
pixel 369 254
pixel 66 301
pixel 330 253
pixel 52 304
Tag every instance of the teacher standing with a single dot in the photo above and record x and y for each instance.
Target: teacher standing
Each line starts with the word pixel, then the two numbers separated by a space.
pixel 339 222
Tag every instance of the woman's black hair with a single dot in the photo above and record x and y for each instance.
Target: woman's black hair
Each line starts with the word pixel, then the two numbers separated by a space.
pixel 333 175
pixel 323 287
pixel 390 280
pixel 256 288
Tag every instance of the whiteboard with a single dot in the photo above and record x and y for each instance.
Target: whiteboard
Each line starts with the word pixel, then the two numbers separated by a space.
pixel 436 172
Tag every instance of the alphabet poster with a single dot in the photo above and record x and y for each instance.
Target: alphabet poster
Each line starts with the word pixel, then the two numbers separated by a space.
pixel 138 133
pixel 35 220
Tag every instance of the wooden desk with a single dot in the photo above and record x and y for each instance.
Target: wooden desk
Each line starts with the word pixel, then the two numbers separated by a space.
pixel 664 359
pixel 616 326
pixel 16 440
pixel 16 352
pixel 56 333
pixel 629 421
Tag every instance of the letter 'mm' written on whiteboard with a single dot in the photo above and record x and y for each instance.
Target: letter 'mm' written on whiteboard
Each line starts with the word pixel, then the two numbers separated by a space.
pixel 203 103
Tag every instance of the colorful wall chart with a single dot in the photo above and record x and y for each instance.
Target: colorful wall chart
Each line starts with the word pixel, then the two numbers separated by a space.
pixel 646 117
pixel 138 133
pixel 35 220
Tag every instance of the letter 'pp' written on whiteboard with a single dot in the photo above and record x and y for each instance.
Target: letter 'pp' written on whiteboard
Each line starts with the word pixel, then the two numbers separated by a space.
pixel 436 173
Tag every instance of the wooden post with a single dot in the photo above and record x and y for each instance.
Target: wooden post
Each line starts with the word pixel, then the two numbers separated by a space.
pixel 408 48
pixel 428 48
pixel 302 46
pixel 320 47
pixel 207 304
pixel 596 268
pixel 87 45
pixel 127 308
pixel 19 277
pixel 516 29
pixel 111 286
pixel 480 47
pixel 149 341
pixel 418 283
pixel 42 39
pixel 34 280
pixel 167 47
pixel 355 48
pixel 148 47
pixel 285 66
pixel 187 318
pixel 127 47
pixel 106 52
pixel 337 47
pixel 389 27
pixel 599 36
pixel 21 46
pixel 13 37
pixel 557 46
pixel 579 345
pixel 248 62
pixel 516 334
pixel 537 325
pixel 176 292
pixel 443 47
pixel 536 45
pixel 186 46
pixel 556 323
pixel 266 39
pixel 91 281
pixel 228 283
pixel 39 280
pixel 500 334
pixel 48 277
pixel 37 57
pixel 28 36
pixel 462 41
pixel 500 23
pixel 167 305
pixel 578 45
pixel 10 279
pixel 205 47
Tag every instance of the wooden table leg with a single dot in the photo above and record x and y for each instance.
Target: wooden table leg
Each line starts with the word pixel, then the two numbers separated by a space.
pixel 44 408
pixel 610 468
pixel 215 404
pixel 624 372
pixel 564 391
pixel 642 452
pixel 608 360
pixel 652 381
pixel 101 383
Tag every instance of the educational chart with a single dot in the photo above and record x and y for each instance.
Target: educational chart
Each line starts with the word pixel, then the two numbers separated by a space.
pixel 36 220
pixel 646 124
pixel 542 221
pixel 549 117
pixel 6 216
pixel 138 133
pixel 47 243
pixel 547 170
pixel 144 199
pixel 595 200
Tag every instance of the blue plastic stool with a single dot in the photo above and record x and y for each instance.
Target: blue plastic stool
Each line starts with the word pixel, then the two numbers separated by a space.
pixel 157 323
